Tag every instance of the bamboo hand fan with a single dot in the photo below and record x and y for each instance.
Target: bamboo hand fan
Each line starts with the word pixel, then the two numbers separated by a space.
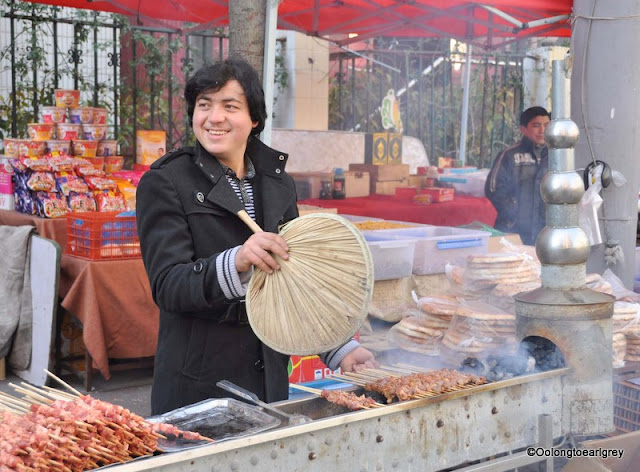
pixel 320 296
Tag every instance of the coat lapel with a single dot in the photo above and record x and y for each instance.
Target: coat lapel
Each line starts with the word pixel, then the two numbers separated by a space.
pixel 275 200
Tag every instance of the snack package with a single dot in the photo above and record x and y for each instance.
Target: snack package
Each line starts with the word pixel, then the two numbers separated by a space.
pixel 50 205
pixel 80 202
pixel 109 201
pixel 41 182
pixel 67 182
pixel 128 191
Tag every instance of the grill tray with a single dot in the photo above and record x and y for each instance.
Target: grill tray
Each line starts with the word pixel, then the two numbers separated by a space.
pixel 216 418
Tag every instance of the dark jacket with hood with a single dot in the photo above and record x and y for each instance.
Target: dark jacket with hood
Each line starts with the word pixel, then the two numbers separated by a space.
pixel 186 216
pixel 513 186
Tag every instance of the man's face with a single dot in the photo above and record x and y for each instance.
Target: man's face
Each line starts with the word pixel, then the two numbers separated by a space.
pixel 222 122
pixel 535 129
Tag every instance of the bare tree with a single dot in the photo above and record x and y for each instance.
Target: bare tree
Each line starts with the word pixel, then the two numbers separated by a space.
pixel 246 31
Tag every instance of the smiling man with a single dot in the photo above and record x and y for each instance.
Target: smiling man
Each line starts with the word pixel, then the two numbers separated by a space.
pixel 199 255
pixel 513 184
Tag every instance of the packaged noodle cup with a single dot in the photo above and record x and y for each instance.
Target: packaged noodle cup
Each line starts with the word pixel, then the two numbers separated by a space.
pixel 95 132
pixel 54 114
pixel 41 131
pixel 96 161
pixel 107 148
pixel 59 145
pixel 85 148
pixel 150 145
pixel 67 98
pixel 81 115
pixel 12 147
pixel 70 131
pixel 100 116
pixel 32 148
pixel 113 163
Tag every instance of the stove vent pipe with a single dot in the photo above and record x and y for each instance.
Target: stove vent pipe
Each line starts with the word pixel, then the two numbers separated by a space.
pixel 575 318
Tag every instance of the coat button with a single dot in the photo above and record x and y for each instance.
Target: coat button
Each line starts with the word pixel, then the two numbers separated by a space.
pixel 198 266
pixel 281 157
pixel 200 197
pixel 278 171
pixel 258 365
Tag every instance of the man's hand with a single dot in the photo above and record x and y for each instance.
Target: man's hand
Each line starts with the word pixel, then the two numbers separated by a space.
pixel 259 251
pixel 357 360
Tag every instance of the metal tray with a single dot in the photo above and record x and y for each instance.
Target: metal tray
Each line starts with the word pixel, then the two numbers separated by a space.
pixel 216 418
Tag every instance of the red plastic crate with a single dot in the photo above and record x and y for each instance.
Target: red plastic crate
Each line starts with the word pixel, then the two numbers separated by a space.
pixel 102 236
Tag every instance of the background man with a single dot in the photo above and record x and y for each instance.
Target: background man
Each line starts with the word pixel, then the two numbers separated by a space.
pixel 513 184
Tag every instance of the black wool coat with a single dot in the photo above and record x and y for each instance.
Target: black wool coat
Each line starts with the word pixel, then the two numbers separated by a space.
pixel 186 216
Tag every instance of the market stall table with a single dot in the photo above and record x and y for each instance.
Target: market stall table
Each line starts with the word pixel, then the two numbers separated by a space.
pixel 112 300
pixel 50 228
pixel 460 211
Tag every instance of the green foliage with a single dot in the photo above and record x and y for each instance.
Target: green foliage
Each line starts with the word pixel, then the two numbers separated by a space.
pixel 159 67
pixel 431 109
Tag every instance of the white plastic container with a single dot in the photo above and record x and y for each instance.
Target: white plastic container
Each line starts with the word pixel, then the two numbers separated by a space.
pixel 392 257
pixel 437 246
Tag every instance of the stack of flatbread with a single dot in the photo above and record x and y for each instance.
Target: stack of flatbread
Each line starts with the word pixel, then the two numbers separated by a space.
pixel 633 344
pixel 619 349
pixel 483 327
pixel 501 295
pixel 598 283
pixel 440 310
pixel 413 334
pixel 500 268
pixel 626 316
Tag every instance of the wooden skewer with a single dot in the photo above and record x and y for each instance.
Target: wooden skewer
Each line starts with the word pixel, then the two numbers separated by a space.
pixel 341 378
pixel 59 394
pixel 15 400
pixel 63 383
pixel 31 396
pixel 315 391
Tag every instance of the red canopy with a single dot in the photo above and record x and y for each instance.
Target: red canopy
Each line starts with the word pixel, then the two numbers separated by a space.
pixel 462 19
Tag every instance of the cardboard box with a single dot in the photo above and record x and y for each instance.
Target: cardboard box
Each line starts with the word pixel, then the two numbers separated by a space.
pixel 629 443
pixel 150 146
pixel 388 187
pixel 420 181
pixel 308 184
pixel 394 148
pixel 357 184
pixel 376 148
pixel 307 369
pixel 439 194
pixel 382 173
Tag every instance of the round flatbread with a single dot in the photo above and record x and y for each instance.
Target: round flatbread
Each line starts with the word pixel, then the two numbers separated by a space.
pixel 495 257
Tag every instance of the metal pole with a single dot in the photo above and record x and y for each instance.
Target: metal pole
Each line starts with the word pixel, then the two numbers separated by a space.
pixel 465 106
pixel 269 67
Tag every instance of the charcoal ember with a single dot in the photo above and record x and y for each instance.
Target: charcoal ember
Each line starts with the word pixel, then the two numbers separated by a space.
pixel 547 356
pixel 473 365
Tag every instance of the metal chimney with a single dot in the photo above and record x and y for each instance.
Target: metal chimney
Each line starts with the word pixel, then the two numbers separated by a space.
pixel 576 319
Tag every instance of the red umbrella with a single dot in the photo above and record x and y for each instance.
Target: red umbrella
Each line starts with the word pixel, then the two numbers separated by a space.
pixel 462 19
